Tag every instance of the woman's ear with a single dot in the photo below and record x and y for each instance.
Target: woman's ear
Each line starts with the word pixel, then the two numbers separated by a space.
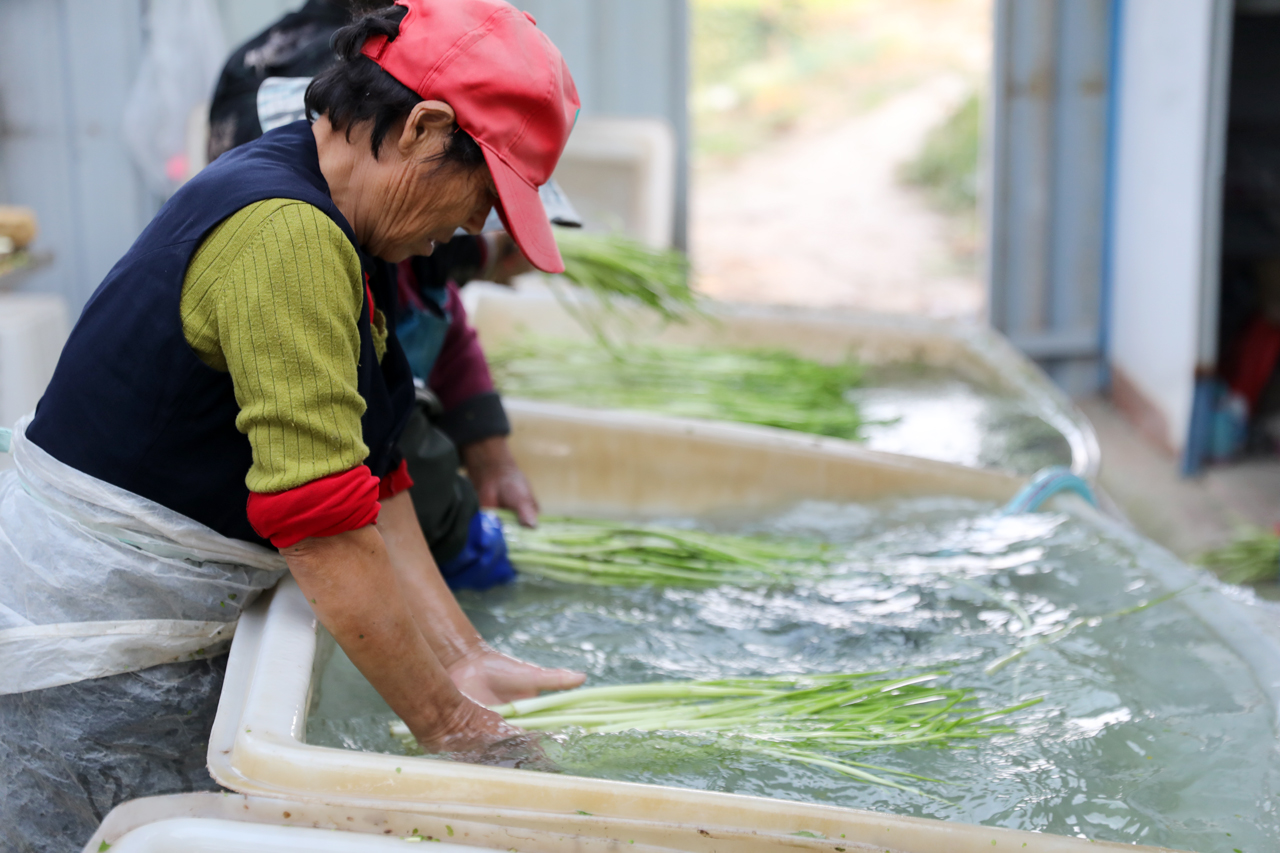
pixel 426 121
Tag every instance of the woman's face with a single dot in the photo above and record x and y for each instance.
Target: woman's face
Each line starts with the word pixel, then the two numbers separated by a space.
pixel 430 202
pixel 421 200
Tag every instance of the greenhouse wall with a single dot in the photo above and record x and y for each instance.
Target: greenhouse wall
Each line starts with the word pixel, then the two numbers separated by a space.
pixel 67 67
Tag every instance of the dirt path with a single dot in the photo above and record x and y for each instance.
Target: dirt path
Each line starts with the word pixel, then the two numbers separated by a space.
pixel 819 218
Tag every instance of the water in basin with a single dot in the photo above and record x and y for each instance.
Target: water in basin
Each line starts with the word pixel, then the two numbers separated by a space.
pixel 1152 731
pixel 936 414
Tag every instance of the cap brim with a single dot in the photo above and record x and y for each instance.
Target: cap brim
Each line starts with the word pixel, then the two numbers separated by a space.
pixel 524 216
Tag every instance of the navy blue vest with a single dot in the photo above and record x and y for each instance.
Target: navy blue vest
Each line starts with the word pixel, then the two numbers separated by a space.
pixel 132 404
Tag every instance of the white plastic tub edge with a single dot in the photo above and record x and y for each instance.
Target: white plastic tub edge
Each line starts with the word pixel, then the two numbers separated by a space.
pixel 594 462
pixel 1251 632
pixel 498 312
pixel 1052 403
pixel 234 823
pixel 215 835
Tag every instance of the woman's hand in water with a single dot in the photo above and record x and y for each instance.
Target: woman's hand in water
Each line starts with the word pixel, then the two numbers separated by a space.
pixel 492 678
pixel 466 729
pixel 479 736
pixel 345 578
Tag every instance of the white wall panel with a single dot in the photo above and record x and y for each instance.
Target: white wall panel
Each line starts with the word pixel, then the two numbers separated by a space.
pixel 1162 152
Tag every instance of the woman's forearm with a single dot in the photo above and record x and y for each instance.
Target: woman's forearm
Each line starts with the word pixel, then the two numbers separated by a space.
pixel 479 672
pixel 357 595
pixel 446 628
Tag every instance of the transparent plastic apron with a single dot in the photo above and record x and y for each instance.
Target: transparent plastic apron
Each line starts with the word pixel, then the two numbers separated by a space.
pixel 97 581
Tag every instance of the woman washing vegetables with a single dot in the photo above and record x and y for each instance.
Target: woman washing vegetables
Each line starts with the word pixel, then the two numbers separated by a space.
pixel 233 384
pixel 460 422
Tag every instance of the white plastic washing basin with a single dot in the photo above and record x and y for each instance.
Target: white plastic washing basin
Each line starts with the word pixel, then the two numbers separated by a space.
pixel 607 464
pixel 977 355
pixel 194 835
pixel 219 823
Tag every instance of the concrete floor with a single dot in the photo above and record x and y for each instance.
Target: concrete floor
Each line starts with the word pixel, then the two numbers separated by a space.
pixel 1187 516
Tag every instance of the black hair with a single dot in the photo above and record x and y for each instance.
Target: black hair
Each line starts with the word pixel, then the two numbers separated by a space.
pixel 355 90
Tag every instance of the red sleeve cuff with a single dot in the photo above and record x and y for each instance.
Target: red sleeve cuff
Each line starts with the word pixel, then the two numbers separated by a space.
pixel 325 507
pixel 395 482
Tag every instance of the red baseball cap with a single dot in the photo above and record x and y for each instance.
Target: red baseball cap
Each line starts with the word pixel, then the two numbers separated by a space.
pixel 510 89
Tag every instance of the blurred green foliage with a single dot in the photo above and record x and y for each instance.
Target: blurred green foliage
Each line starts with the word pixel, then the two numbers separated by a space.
pixel 947 165
pixel 758 65
pixel 731 34
pixel 1252 557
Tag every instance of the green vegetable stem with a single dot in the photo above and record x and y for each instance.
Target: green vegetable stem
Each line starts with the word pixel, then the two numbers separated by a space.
pixel 820 720
pixel 757 386
pixel 1253 557
pixel 614 267
pixel 608 553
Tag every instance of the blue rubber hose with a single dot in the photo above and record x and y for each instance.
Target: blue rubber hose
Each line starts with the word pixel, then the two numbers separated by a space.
pixel 1044 485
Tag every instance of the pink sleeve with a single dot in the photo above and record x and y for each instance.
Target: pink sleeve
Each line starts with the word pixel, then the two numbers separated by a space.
pixel 460 371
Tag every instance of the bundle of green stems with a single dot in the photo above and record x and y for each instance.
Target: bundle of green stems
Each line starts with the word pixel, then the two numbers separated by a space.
pixel 812 719
pixel 1253 557
pixel 613 266
pixel 609 553
pixel 757 386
